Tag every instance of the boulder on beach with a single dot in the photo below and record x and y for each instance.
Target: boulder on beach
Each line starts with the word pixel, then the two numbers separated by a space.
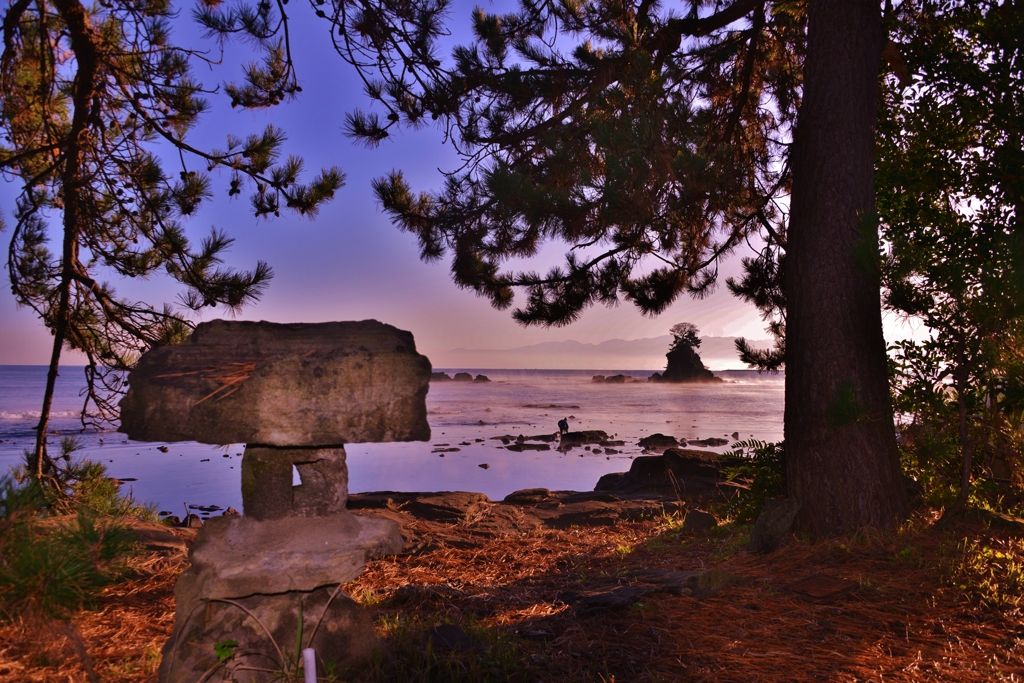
pixel 693 473
pixel 440 377
pixel 463 377
pixel 481 378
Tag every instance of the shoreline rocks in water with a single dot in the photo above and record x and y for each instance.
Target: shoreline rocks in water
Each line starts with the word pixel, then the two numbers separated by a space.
pixel 613 379
pixel 573 439
pixel 459 377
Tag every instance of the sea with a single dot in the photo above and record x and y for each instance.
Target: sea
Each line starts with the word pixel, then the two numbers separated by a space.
pixel 470 416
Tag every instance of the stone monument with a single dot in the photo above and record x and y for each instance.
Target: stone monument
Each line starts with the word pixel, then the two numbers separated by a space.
pixel 294 394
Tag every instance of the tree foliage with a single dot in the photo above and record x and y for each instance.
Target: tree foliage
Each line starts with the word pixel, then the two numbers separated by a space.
pixel 651 144
pixel 95 107
pixel 951 202
pixel 685 334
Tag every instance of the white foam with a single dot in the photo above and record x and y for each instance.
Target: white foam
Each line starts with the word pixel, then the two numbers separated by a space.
pixel 34 414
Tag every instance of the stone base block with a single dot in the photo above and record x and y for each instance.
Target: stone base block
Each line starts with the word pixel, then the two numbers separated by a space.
pixel 256 636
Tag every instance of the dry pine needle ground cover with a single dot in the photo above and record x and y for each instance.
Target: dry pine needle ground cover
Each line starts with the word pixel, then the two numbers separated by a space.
pixel 927 606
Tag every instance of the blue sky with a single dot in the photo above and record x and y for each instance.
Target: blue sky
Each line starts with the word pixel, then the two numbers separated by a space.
pixel 350 263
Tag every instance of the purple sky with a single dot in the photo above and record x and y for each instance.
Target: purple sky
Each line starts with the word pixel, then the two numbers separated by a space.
pixel 350 263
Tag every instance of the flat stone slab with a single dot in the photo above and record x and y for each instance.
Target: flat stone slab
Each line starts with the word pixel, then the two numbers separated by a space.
pixel 270 384
pixel 238 556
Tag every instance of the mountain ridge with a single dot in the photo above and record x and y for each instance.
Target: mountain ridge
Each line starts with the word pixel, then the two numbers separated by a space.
pixel 717 353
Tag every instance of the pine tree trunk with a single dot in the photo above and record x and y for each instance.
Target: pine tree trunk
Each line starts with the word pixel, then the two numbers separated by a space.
pixel 843 464
pixel 80 31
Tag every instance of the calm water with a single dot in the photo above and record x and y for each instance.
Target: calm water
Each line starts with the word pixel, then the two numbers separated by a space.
pixel 514 402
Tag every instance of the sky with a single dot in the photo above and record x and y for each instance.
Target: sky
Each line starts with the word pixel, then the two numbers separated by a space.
pixel 350 263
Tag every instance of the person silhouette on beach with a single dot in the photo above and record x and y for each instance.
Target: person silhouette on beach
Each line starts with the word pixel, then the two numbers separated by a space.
pixel 563 426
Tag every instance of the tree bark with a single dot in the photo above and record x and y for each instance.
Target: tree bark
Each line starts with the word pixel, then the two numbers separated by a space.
pixel 842 460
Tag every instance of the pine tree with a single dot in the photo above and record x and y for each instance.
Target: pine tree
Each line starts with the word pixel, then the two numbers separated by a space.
pixel 653 144
pixel 92 99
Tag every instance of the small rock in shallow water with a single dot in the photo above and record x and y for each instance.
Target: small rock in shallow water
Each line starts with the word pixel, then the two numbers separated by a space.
pixel 192 522
pixel 231 512
pixel 484 466
pixel 163 449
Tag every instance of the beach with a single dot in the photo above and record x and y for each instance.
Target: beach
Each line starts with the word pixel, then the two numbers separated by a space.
pixel 468 416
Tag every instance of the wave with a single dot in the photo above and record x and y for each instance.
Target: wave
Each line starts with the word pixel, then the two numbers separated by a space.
pixel 34 414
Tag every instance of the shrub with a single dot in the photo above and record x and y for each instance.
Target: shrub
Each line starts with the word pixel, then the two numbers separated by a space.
pixel 54 573
pixel 765 468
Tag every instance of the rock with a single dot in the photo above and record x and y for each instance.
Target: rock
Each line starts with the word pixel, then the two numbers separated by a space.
pixel 696 520
pixel 448 506
pixel 172 520
pixel 656 377
pixel 504 520
pixel 463 377
pixel 570 439
pixel 775 520
pixel 267 491
pixel 684 365
pixel 527 496
pixel 288 385
pixel 163 449
pixel 484 466
pixel 597 379
pixel 700 583
pixel 440 377
pixel 735 436
pixel 231 512
pixel 658 442
pixel 610 442
pixel 617 379
pixel 239 556
pixel 192 522
pixel 156 537
pixel 343 639
pixel 711 442
pixel 695 473
pixel 520 447
pixel 377 500
pixel 558 515
pixel 596 601
pixel 481 378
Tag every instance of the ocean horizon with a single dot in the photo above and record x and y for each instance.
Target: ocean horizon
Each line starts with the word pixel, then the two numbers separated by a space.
pixel 468 416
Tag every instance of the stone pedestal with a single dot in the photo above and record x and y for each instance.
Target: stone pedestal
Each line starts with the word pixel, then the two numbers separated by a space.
pixel 263 629
pixel 294 394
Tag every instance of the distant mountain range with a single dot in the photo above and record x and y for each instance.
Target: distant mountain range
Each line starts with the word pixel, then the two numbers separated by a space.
pixel 718 353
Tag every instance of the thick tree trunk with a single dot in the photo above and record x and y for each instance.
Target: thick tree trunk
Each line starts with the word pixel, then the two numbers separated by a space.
pixel 841 451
